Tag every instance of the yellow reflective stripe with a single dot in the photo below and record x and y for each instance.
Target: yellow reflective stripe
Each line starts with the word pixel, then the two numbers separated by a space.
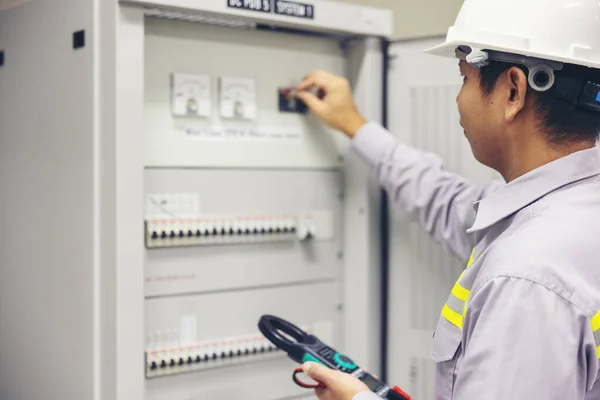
pixel 596 322
pixel 460 292
pixel 598 351
pixel 471 258
pixel 453 317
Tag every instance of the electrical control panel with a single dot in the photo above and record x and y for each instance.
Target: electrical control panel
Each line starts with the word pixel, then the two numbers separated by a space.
pixel 244 208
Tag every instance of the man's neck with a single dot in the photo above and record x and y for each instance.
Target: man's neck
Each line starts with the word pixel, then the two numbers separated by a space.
pixel 528 158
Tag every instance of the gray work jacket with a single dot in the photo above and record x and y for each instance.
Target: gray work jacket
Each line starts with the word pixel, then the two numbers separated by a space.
pixel 522 321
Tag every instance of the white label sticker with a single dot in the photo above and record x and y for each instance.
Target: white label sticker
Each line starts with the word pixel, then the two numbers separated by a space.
pixel 172 205
pixel 241 134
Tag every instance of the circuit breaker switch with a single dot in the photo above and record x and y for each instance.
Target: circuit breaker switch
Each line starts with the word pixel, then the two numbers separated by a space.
pixel 304 233
pixel 289 102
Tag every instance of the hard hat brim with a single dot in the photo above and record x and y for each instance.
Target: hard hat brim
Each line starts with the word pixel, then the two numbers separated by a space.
pixel 448 49
pixel 445 49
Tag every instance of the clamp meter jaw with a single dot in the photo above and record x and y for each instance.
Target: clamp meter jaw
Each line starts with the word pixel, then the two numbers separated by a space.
pixel 302 347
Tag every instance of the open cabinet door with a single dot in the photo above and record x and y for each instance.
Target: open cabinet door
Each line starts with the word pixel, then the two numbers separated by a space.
pixel 423 113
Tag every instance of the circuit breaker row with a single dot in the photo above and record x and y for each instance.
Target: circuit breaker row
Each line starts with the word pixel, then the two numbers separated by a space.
pixel 196 233
pixel 209 355
pixel 235 230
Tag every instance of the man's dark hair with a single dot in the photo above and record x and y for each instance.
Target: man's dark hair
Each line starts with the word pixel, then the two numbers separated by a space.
pixel 563 122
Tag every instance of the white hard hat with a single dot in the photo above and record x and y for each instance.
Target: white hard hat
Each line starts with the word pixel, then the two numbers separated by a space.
pixel 567 31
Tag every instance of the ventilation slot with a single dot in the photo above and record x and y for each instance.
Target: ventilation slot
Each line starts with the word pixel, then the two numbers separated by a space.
pixel 198 18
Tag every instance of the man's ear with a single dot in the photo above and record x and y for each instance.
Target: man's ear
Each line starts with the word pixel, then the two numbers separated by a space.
pixel 516 92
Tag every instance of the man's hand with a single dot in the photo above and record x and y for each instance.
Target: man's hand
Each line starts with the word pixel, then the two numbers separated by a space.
pixel 339 385
pixel 334 105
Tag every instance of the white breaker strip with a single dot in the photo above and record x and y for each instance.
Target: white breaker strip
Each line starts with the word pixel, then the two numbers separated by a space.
pixel 160 233
pixel 208 355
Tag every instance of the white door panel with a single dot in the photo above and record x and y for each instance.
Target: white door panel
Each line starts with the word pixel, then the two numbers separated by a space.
pixel 423 113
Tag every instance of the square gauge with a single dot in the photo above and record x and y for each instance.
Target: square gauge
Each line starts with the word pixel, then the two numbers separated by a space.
pixel 238 98
pixel 190 95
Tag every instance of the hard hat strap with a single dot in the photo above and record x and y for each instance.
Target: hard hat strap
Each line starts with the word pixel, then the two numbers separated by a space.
pixel 576 90
pixel 541 72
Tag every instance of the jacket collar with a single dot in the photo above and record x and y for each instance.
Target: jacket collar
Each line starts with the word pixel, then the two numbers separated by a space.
pixel 530 187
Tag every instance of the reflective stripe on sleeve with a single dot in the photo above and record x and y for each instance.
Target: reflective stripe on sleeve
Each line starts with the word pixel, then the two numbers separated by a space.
pixel 453 317
pixel 595 320
pixel 455 309
pixel 460 292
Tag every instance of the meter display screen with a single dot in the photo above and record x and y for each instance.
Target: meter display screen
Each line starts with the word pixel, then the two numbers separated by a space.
pixel 371 382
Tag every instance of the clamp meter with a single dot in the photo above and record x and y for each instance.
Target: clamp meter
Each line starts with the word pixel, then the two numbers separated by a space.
pixel 307 347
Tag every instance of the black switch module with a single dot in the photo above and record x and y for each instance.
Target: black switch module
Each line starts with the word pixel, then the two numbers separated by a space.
pixel 79 39
pixel 288 102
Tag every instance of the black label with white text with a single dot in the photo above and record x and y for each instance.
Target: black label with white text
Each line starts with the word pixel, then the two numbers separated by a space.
pixel 251 5
pixel 294 9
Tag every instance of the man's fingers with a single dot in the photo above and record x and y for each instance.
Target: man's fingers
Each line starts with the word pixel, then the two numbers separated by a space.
pixel 307 83
pixel 311 101
pixel 320 79
pixel 322 393
pixel 319 372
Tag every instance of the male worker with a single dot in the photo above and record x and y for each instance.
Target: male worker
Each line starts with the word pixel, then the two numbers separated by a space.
pixel 523 320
